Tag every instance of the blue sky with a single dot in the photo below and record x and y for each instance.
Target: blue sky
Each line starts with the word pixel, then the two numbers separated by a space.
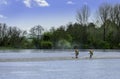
pixel 47 13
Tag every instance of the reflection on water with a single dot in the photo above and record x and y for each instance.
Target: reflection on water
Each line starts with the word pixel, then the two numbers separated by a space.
pixel 67 69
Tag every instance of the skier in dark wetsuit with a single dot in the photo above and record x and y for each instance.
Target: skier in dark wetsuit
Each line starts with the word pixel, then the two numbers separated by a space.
pixel 91 53
pixel 76 53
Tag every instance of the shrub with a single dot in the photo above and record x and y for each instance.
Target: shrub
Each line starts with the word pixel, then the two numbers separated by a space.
pixel 46 45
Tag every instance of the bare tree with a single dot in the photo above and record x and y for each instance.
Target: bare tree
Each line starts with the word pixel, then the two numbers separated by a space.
pixel 117 14
pixel 117 20
pixel 36 31
pixel 83 15
pixel 104 15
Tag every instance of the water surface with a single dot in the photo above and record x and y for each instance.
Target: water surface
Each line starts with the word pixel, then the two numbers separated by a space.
pixel 60 69
pixel 55 53
pixel 67 69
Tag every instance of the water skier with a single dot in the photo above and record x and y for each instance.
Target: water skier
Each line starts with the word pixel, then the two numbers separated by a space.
pixel 91 53
pixel 76 53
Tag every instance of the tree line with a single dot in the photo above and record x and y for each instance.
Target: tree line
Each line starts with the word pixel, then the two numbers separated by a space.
pixel 103 33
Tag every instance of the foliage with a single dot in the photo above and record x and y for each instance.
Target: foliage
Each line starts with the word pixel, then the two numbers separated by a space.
pixel 11 36
pixel 46 45
pixel 63 44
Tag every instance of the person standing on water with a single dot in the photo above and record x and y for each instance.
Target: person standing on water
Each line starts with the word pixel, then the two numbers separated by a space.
pixel 91 53
pixel 76 53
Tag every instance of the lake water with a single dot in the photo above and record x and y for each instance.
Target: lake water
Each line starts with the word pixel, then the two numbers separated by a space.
pixel 60 69
pixel 11 54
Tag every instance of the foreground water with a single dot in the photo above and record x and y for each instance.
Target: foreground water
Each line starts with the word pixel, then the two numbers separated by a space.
pixel 59 69
pixel 67 69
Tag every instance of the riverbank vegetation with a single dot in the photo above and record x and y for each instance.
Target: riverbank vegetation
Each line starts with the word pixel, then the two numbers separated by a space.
pixel 102 33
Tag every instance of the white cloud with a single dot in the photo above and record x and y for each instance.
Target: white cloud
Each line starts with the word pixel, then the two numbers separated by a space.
pixel 70 2
pixel 41 3
pixel 3 2
pixel 27 3
pixel 2 17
